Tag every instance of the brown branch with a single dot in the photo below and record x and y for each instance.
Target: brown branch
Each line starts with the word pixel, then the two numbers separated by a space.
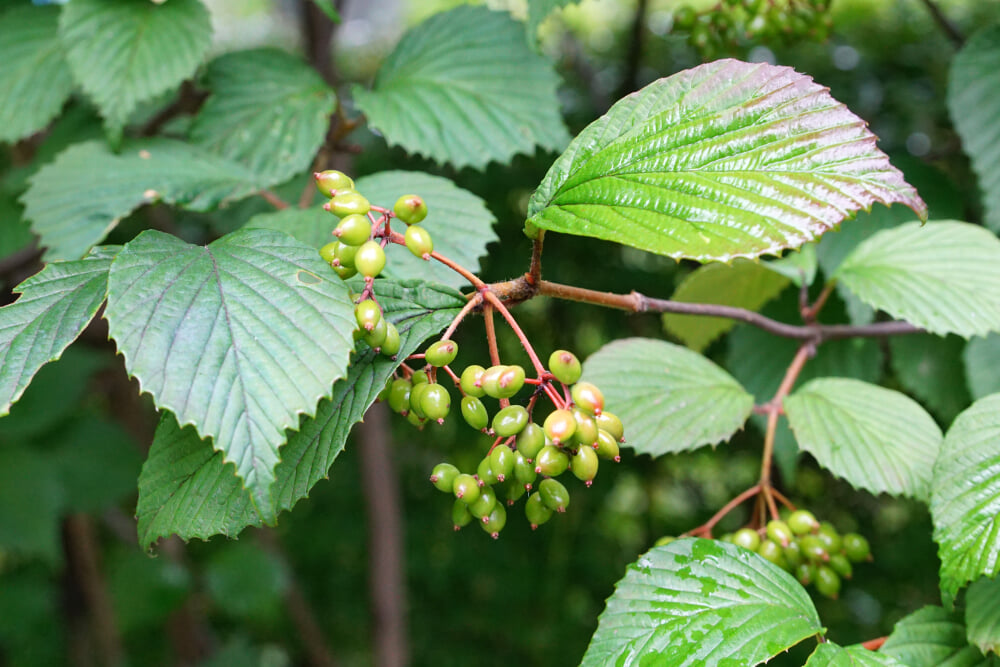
pixel 534 275
pixel 949 29
pixel 774 409
pixel 273 199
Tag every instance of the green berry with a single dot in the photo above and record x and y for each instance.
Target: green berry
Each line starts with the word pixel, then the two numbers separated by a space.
pixel 377 336
pixel 841 564
pixel 415 419
pixel 584 464
pixel 347 203
pixel 344 256
pixel 512 491
pixel 560 426
pixel 502 462
pixel 329 251
pixel 607 446
pixel 586 396
pixel 805 573
pixel 778 531
pixel 551 461
pixel 411 209
pixel 474 413
pixel 747 538
pixel 441 353
pixel 435 402
pixel 565 366
pixel 460 515
pixel 793 554
pixel 399 396
pixel 510 381
pixel 368 314
pixel 485 473
pixel 510 421
pixel 419 377
pixel 530 441
pixel 827 582
pixel 802 522
pixel 331 181
pixel 353 230
pixel 496 520
pixel 489 381
pixel 536 510
pixel 856 547
pixel 830 538
pixel 772 551
pixel 370 259
pixel 664 541
pixel 418 240
pixel 470 380
pixel 586 429
pixel 443 477
pixel 485 503
pixel 345 272
pixel 390 346
pixel 524 471
pixel 466 488
pixel 384 394
pixel 554 495
pixel 813 548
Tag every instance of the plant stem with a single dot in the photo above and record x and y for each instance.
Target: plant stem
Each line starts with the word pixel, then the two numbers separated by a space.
pixel 474 301
pixel 273 199
pixel 399 239
pixel 706 528
pixel 525 343
pixel 946 26
pixel 534 275
pixel 774 408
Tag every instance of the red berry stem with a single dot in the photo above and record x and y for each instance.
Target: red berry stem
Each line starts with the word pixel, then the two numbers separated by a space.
pixel 525 343
pixel 457 380
pixel 474 301
pixel 399 239
pixel 706 528
pixel 782 499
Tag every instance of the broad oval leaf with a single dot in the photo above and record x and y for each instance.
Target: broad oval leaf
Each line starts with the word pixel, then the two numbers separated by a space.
pixel 982 359
pixel 238 338
pixel 123 52
pixel 933 637
pixel 831 655
pixel 974 104
pixel 965 497
pixel 943 276
pixel 187 488
pixel 875 438
pixel 728 159
pixel 982 614
pixel 743 283
pixel 670 398
pixel 77 199
pixel 457 220
pixel 55 305
pixel 312 226
pixel 35 78
pixel 463 87
pixel 701 602
pixel 268 110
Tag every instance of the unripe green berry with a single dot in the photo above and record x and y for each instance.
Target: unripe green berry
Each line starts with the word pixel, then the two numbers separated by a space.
pixel 813 548
pixel 586 429
pixel 485 503
pixel 344 256
pixel 510 381
pixel 331 181
pixel 390 346
pixel 565 366
pixel 329 251
pixel 418 240
pixel 415 419
pixel 560 426
pixel 377 335
pixel 551 461
pixel 496 520
pixel 524 471
pixel 411 209
pixel 368 314
pixel 856 547
pixel 347 203
pixel 771 551
pixel 607 446
pixel 830 538
pixel 345 272
pixel 827 582
pixel 443 477
pixel 805 573
pixel 585 395
pixel 584 464
pixel 793 554
pixel 416 392
pixel 474 413
pixel 536 511
pixel 840 564
pixel 370 259
pixel 530 441
pixel 485 473
pixel 510 421
pixel 384 394
pixel 466 488
pixel 353 230
pixel 399 396
pixel 435 402
pixel 779 532
pixel 470 380
pixel 747 538
pixel 554 495
pixel 441 353
pixel 802 522
pixel 420 377
pixel 489 381
pixel 513 490
pixel 460 515
pixel 502 461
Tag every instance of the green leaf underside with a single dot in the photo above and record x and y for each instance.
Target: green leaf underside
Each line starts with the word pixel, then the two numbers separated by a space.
pixel 875 438
pixel 76 200
pixel 268 110
pixel 463 87
pixel 728 159
pixel 743 283
pixel 35 78
pixel 123 52
pixel 982 614
pixel 965 497
pixel 238 338
pixel 943 276
pixel 930 368
pixel 672 399
pixel 982 359
pixel 702 602
pixel 186 488
pixel 974 104
pixel 55 305
pixel 933 637
pixel 457 220
pixel 832 655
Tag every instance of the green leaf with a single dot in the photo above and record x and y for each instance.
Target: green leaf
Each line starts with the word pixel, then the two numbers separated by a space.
pixel 312 226
pixel 670 398
pixel 744 284
pixel 875 438
pixel 982 358
pixel 724 160
pixel 538 11
pixel 831 655
pixel 328 9
pixel 930 368
pixel 238 338
pixel 943 277
pixel 463 87
pixel 933 637
pixel 702 602
pixel 799 266
pixel 965 497
pixel 974 104
pixel 35 79
pixel 457 220
pixel 186 488
pixel 268 110
pixel 76 200
pixel 124 52
pixel 55 305
pixel 982 614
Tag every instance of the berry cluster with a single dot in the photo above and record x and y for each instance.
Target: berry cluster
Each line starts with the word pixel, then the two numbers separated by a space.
pixel 360 248
pixel 574 436
pixel 730 23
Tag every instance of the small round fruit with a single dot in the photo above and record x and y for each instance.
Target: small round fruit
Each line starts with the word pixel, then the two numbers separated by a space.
pixel 496 520
pixel 565 366
pixel 830 538
pixel 551 461
pixel 747 538
pixel 370 259
pixel 485 503
pixel 856 547
pixel 607 446
pixel 466 488
pixel 470 380
pixel 418 240
pixel 841 564
pixel 399 396
pixel 510 421
pixel 586 429
pixel 347 203
pixel 612 424
pixel 331 181
pixel 524 471
pixel 584 464
pixel 329 251
pixel 802 522
pixel 485 473
pixel 411 209
pixel 805 573
pixel 353 230
pixel 474 413
pixel 390 346
pixel 368 314
pixel 416 392
pixel 772 552
pixel 510 381
pixel 443 477
pixel 827 582
pixel 435 402
pixel 502 461
pixel 345 272
pixel 586 395
pixel 554 495
pixel 813 548
pixel 513 491
pixel 793 554
pixel 376 336
pixel 415 419
pixel 560 426
pixel 490 381
pixel 460 515
pixel 344 256
pixel 530 441
pixel 536 510
pixel 779 532
pixel 441 353
pixel 419 377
